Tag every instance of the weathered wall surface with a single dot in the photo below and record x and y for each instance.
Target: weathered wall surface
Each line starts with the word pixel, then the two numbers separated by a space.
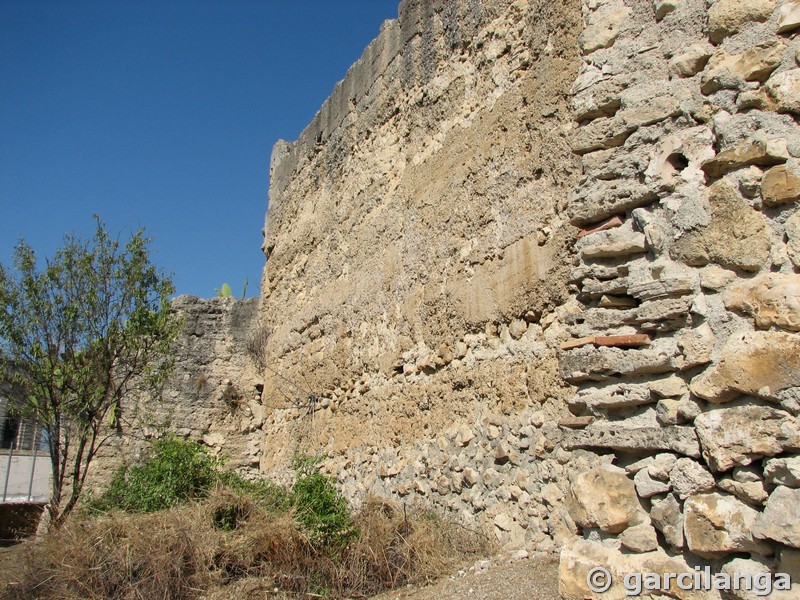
pixel 416 243
pixel 684 343
pixel 537 263
pixel 213 396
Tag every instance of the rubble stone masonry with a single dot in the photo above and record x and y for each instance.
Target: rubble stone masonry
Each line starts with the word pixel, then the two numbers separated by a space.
pixel 538 264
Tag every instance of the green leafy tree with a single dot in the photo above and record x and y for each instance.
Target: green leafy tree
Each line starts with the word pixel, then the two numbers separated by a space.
pixel 76 336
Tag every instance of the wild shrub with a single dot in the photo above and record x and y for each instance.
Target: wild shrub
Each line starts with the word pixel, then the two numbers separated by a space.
pixel 174 471
pixel 319 506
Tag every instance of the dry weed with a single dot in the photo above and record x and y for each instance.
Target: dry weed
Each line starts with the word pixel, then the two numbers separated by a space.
pixel 193 551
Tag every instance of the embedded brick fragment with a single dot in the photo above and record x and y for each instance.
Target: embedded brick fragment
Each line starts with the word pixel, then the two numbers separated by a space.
pixel 610 301
pixel 577 343
pixel 614 221
pixel 576 422
pixel 634 340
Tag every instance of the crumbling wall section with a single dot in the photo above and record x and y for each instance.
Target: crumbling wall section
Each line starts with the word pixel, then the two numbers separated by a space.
pixel 212 397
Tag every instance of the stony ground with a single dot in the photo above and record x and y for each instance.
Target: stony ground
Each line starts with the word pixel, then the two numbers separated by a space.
pixel 535 578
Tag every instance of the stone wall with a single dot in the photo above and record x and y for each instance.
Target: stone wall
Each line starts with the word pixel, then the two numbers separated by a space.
pixel 213 396
pixel 536 263
pixel 416 241
pixel 684 345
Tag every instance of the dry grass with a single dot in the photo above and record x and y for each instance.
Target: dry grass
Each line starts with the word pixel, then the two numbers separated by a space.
pixel 189 552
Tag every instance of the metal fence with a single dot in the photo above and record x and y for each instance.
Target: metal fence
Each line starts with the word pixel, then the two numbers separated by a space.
pixel 24 459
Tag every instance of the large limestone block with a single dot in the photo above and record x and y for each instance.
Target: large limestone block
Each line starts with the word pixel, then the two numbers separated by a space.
pixel 759 363
pixel 639 538
pixel 783 471
pixel 612 397
pixel 731 71
pixel 611 132
pixel 736 236
pixel 771 298
pixel 691 62
pixel 646 486
pixel 737 436
pixel 598 200
pixel 600 363
pixel 749 492
pixel 780 520
pixel 760 150
pixel 696 346
pixel 624 438
pixel 789 16
pixel 580 557
pixel 727 17
pixel 758 569
pixel 793 238
pixel 604 497
pixel 717 524
pixel 603 27
pixel 689 477
pixel 614 249
pixel 781 184
pixel 666 515
pixel 785 89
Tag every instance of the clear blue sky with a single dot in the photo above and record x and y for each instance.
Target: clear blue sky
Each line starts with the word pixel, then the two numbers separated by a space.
pixel 162 114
